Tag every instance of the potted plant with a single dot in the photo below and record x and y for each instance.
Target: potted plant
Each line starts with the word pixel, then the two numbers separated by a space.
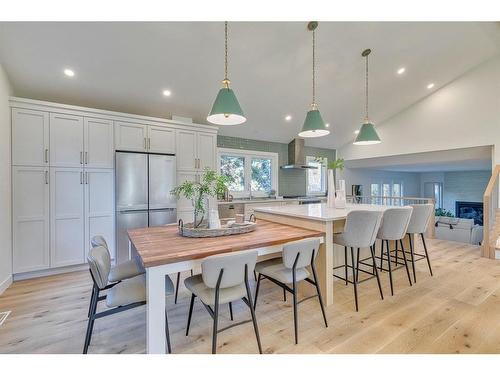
pixel 332 200
pixel 211 185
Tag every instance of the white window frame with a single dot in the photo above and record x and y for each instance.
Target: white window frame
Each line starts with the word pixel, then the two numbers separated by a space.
pixel 248 155
pixel 391 192
pixel 324 172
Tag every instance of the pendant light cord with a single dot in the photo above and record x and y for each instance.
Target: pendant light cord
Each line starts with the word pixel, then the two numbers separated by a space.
pixel 225 51
pixel 366 90
pixel 314 68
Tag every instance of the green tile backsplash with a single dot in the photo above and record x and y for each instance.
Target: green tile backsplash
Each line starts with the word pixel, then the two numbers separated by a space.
pixel 290 182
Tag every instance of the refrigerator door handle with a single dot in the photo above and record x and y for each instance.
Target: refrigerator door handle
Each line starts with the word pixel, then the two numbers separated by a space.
pixel 81 178
pixel 46 155
pixel 81 157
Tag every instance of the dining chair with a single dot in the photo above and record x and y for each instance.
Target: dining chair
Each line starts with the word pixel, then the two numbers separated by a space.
pixel 223 279
pixel 418 225
pixel 121 296
pixel 393 228
pixel 290 269
pixel 360 231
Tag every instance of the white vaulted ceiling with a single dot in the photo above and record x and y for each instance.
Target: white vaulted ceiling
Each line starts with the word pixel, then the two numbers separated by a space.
pixel 126 66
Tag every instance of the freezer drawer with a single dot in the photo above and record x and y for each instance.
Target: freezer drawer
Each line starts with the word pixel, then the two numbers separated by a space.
pixel 126 220
pixel 131 181
pixel 162 217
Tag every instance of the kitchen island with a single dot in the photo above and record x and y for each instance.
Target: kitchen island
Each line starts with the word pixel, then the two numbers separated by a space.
pixel 320 218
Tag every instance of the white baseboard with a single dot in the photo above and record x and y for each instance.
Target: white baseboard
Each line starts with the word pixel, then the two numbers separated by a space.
pixel 5 284
pixel 49 272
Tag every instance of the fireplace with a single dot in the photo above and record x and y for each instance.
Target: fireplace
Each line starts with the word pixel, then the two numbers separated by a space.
pixel 470 210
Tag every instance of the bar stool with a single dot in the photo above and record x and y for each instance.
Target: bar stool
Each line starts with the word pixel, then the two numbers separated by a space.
pixel 360 231
pixel 223 279
pixel 290 269
pixel 394 225
pixel 418 225
pixel 121 296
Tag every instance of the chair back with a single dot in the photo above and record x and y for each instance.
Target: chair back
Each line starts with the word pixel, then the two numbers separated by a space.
pixel 394 223
pixel 99 262
pixel 99 241
pixel 420 218
pixel 233 265
pixel 361 227
pixel 304 248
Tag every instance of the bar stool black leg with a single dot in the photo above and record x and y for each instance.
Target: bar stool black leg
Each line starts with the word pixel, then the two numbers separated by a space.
pixel 295 317
pixel 374 267
pixel 354 279
pixel 190 313
pixel 381 255
pixel 255 275
pixel 284 294
pixel 177 286
pixel 397 250
pixel 345 264
pixel 426 253
pixel 252 311
pixel 357 266
pixel 256 292
pixel 406 262
pixel 390 267
pixel 376 272
pixel 167 333
pixel 231 310
pixel 412 258
pixel 91 299
pixel 90 325
pixel 313 268
pixel 216 322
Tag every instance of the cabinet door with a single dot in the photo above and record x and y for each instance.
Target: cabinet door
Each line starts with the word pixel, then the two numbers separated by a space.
pixel 130 136
pixel 99 207
pixel 66 217
pixel 30 218
pixel 161 140
pixel 186 150
pixel 30 137
pixel 99 143
pixel 66 140
pixel 183 203
pixel 207 150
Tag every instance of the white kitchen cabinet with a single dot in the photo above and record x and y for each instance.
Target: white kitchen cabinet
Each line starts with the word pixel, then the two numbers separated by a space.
pixel 130 136
pixel 66 140
pixel 98 143
pixel 30 218
pixel 99 207
pixel 66 216
pixel 30 137
pixel 161 140
pixel 186 150
pixel 206 150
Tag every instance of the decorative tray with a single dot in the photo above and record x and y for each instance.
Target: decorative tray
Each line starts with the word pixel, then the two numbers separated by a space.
pixel 227 229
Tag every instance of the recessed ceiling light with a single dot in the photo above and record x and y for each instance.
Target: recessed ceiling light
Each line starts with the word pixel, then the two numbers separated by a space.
pixel 167 92
pixel 430 86
pixel 69 72
pixel 401 70
pixel 327 125
pixel 356 131
pixel 288 117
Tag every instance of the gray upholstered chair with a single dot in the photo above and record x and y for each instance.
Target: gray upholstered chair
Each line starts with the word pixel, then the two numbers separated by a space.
pixel 393 228
pixel 360 231
pixel 121 296
pixel 223 279
pixel 418 225
pixel 290 269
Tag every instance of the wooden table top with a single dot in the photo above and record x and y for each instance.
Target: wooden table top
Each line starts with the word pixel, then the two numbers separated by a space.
pixel 162 245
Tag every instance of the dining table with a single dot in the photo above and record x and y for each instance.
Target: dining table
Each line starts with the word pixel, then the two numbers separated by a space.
pixel 164 251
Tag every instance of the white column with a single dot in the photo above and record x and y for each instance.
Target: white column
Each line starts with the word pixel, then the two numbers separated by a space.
pixel 155 316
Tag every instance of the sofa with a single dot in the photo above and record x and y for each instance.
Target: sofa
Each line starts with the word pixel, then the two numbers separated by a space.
pixel 459 230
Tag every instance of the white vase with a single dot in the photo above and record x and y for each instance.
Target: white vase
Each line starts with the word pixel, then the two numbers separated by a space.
pixel 330 200
pixel 340 199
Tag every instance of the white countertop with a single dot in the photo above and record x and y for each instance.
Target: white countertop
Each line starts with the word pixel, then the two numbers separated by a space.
pixel 319 211
pixel 269 200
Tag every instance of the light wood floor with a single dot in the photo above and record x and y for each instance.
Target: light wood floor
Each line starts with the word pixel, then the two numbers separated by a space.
pixel 456 311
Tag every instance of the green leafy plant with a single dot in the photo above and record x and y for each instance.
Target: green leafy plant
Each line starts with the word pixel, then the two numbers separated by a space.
pixel 336 164
pixel 211 184
pixel 443 212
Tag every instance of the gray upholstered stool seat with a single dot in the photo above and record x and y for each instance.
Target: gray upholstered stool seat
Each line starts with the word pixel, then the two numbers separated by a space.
pixel 133 290
pixel 125 270
pixel 339 239
pixel 275 269
pixel 196 286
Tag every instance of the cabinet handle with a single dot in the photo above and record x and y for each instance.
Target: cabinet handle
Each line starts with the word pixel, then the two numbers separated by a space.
pixel 86 178
pixel 46 177
pixel 81 157
pixel 145 144
pixel 46 155
pixel 81 178
pixel 86 157
pixel 149 143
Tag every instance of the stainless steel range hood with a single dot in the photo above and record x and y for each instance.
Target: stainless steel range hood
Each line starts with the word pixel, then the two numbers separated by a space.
pixel 297 155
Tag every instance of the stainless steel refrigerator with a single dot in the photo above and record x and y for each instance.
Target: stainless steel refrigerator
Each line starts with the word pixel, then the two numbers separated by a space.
pixel 142 185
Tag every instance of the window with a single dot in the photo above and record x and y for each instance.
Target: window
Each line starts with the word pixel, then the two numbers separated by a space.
pixel 253 172
pixel 434 190
pixel 375 193
pixel 387 191
pixel 316 178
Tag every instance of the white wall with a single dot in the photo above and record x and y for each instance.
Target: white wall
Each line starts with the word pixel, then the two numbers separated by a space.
pixel 5 184
pixel 464 186
pixel 464 113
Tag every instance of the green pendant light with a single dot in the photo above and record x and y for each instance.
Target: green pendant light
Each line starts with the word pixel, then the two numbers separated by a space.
pixel 314 126
pixel 367 134
pixel 226 110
